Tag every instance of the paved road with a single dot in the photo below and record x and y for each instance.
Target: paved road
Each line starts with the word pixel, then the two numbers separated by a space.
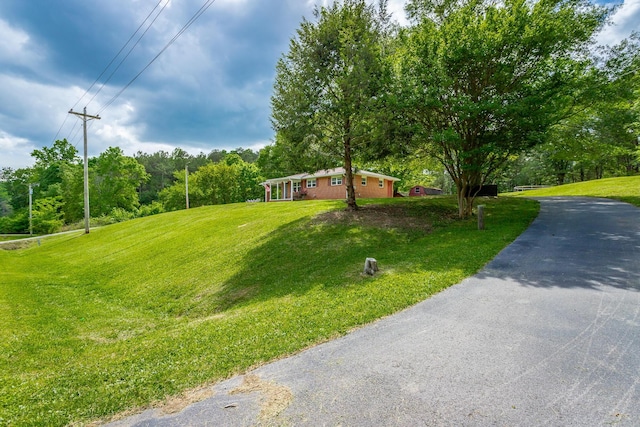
pixel 547 334
pixel 31 239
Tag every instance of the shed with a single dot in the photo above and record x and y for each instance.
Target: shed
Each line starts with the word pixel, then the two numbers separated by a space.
pixel 419 190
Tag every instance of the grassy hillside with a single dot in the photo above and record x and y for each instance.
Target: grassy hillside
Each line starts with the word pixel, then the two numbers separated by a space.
pixel 92 325
pixel 626 189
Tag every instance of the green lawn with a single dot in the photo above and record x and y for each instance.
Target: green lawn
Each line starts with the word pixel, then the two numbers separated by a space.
pixel 626 189
pixel 93 325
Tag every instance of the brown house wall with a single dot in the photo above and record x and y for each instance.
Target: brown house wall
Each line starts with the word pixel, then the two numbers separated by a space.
pixel 324 190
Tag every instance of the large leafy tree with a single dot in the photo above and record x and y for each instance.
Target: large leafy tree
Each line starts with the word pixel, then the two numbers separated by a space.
pixel 115 179
pixel 48 169
pixel 231 180
pixel 485 80
pixel 329 86
pixel 601 137
pixel 160 167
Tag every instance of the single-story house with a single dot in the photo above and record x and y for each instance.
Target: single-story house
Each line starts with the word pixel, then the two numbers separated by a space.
pixel 419 190
pixel 328 184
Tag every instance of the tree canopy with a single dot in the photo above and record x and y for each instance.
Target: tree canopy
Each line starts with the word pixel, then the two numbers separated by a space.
pixel 485 80
pixel 328 87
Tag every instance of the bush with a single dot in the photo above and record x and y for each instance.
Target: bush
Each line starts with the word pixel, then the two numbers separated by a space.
pixel 152 209
pixel 18 223
pixel 47 215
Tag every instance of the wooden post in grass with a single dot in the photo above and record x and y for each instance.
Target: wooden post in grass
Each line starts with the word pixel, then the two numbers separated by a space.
pixel 480 217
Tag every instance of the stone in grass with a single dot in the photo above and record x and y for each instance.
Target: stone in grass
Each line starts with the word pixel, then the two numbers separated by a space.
pixel 370 266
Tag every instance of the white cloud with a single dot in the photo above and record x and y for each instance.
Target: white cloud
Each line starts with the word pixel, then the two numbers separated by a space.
pixel 34 105
pixel 118 130
pixel 396 7
pixel 625 21
pixel 16 47
pixel 237 6
pixel 13 151
pixel 12 40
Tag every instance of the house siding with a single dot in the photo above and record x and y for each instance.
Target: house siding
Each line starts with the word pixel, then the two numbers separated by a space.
pixel 324 190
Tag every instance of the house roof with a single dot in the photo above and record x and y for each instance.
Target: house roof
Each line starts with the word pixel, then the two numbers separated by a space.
pixel 326 173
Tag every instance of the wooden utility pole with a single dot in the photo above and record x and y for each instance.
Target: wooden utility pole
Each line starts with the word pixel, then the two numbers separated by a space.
pixel 30 213
pixel 85 117
pixel 186 183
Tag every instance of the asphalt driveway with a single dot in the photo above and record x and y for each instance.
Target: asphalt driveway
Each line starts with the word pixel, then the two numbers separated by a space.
pixel 547 334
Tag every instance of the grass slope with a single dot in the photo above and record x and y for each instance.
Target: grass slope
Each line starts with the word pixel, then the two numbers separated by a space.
pixel 626 189
pixel 93 325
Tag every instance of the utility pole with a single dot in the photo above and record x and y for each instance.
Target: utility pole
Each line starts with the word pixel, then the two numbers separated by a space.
pixel 31 206
pixel 85 117
pixel 186 183
pixel 30 214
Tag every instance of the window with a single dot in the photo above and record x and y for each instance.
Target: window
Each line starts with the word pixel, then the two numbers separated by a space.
pixel 381 183
pixel 296 186
pixel 311 183
pixel 417 190
pixel 336 180
pixel 364 181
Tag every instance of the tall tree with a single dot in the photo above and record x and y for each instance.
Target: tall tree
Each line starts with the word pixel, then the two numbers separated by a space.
pixel 47 171
pixel 272 162
pixel 328 87
pixel 230 181
pixel 115 179
pixel 160 168
pixel 485 80
pixel 601 137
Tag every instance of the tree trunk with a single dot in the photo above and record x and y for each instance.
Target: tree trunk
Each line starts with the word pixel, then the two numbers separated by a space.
pixel 460 203
pixel 348 170
pixel 462 199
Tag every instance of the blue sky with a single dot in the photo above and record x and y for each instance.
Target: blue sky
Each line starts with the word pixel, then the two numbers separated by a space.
pixel 210 89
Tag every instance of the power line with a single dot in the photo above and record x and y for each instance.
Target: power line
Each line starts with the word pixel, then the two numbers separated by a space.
pixel 120 51
pixel 207 4
pixel 130 50
pixel 106 68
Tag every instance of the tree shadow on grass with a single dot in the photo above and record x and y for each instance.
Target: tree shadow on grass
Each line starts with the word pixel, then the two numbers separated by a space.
pixel 327 252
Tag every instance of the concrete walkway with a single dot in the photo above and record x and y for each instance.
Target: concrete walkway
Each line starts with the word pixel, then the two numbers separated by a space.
pixel 547 334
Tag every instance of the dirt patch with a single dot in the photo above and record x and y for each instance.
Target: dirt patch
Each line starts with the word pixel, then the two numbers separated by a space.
pixel 275 398
pixel 16 245
pixel 175 404
pixel 171 405
pixel 378 216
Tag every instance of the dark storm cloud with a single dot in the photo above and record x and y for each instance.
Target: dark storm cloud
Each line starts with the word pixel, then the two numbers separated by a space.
pixel 210 89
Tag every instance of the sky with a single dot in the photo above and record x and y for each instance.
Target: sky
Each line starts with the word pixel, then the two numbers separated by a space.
pixel 209 89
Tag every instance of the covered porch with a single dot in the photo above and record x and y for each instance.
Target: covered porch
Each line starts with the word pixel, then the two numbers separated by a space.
pixel 282 189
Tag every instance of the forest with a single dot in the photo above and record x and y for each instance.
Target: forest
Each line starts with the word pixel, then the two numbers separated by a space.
pixel 473 92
